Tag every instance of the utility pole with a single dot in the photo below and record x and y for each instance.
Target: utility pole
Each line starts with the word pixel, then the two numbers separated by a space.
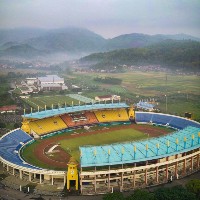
pixel 165 103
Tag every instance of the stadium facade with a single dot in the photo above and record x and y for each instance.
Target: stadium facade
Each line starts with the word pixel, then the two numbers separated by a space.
pixel 107 168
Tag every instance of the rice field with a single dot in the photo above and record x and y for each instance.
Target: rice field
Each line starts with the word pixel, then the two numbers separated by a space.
pixel 182 91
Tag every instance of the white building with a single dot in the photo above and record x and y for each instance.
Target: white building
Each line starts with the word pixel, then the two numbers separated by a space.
pixel 31 81
pixel 51 82
pixel 107 98
pixel 50 79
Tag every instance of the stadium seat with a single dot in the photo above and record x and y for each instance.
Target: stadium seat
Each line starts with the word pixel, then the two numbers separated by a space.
pixel 79 119
pixel 47 125
pixel 10 145
pixel 164 119
pixel 112 115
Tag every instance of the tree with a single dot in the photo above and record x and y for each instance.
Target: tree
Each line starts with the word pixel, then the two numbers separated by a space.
pixel 16 125
pixel 2 125
pixel 113 196
pixel 141 195
pixel 174 193
pixel 194 187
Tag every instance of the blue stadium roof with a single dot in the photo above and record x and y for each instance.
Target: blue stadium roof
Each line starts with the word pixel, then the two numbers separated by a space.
pixel 133 152
pixel 60 111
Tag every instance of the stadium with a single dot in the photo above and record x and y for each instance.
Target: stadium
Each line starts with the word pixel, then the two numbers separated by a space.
pixel 103 168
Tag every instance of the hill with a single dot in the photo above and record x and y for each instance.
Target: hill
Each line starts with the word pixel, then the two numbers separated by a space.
pixel 171 53
pixel 135 40
pixel 59 43
pixel 73 42
pixel 69 40
pixel 21 50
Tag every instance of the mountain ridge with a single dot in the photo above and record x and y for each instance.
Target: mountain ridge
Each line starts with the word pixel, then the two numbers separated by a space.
pixel 73 40
pixel 169 53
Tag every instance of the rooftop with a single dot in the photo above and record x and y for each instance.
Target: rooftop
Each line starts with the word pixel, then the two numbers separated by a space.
pixel 71 109
pixel 50 78
pixel 133 152
pixel 8 108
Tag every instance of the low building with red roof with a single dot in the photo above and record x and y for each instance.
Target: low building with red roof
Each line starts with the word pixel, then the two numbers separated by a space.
pixel 11 108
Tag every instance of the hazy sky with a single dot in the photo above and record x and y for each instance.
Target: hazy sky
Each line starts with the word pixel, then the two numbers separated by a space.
pixel 108 18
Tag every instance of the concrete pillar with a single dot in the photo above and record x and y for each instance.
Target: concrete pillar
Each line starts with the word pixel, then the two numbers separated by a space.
pixel 13 171
pixel 34 175
pixel 167 174
pixel 184 167
pixel 134 178
pixel 95 183
pixel 191 163
pixel 52 180
pixel 68 184
pixel 7 168
pixel 157 174
pixel 30 176
pixel 176 168
pixel 64 179
pixel 20 174
pixel 40 178
pixel 134 175
pixel 122 180
pixel 109 178
pixel 145 177
pixel 198 161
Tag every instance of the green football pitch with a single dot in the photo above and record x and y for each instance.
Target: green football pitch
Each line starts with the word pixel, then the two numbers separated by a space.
pixel 71 145
pixel 123 135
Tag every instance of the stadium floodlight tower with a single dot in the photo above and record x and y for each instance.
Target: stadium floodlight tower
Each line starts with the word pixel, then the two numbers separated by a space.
pixel 165 103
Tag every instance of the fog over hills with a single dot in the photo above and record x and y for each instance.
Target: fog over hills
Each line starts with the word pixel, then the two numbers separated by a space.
pixel 135 40
pixel 22 51
pixel 71 42
pixel 173 54
pixel 19 34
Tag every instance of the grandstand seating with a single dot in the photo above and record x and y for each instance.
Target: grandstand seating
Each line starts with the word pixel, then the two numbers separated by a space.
pixel 91 117
pixel 68 120
pixel 144 117
pixel 79 119
pixel 47 125
pixel 181 123
pixel 11 143
pixel 112 115
pixel 120 153
pixel 162 119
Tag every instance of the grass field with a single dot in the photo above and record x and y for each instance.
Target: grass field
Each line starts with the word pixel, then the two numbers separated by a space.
pixel 72 145
pixel 150 83
pixel 127 134
pixel 183 91
pixel 56 100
